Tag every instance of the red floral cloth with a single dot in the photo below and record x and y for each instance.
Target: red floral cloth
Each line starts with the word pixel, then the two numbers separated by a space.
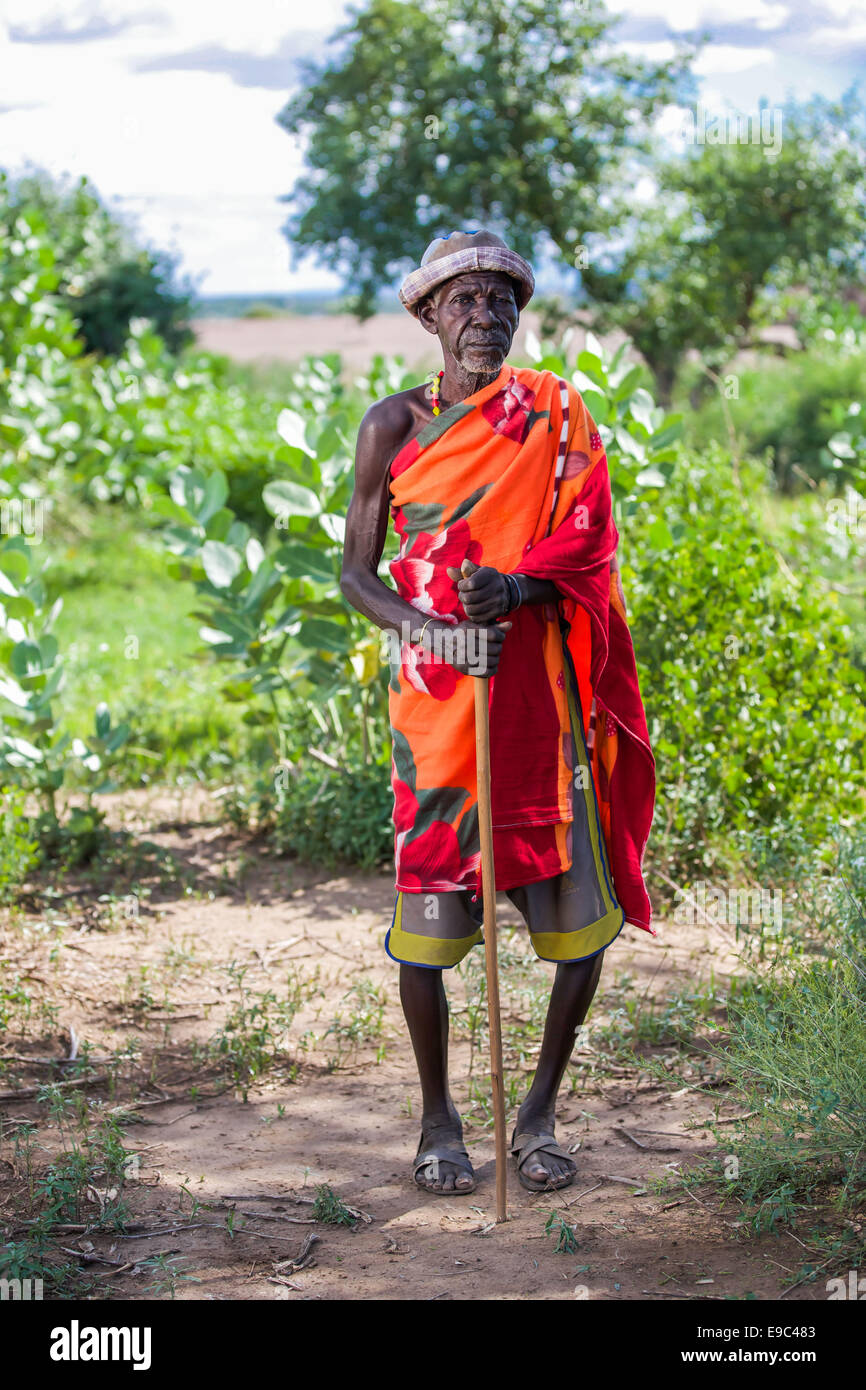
pixel 516 477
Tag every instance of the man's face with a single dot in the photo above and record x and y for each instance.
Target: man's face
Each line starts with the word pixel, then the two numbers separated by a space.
pixel 474 316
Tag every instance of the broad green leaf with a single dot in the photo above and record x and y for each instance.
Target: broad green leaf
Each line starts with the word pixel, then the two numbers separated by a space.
pixel 650 477
pixel 214 638
pixel 10 690
pixel 628 384
pixel 48 650
pixel 26 660
pixel 167 506
pixel 285 499
pixel 221 563
pixel 215 493
pixel 583 382
pixel 237 535
pixel 301 561
pixel 333 526
pixel 14 564
pixel 671 429
pixel 233 626
pixel 591 365
pixel 292 429
pixel 840 445
pixel 179 540
pixel 117 737
pixel 258 586
pixel 23 748
pixel 641 412
pixel 255 553
pixel 629 444
pixel 319 633
pixel 597 406
pixel 187 486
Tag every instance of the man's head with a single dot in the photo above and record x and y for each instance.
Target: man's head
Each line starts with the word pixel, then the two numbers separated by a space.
pixel 469 290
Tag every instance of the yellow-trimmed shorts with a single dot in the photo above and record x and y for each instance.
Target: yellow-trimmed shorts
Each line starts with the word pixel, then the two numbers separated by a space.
pixel 566 921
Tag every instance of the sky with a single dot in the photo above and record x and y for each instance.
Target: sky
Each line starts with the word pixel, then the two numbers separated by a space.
pixel 169 106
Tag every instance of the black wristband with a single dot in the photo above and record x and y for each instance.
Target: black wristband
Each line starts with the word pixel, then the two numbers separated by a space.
pixel 509 600
pixel 515 597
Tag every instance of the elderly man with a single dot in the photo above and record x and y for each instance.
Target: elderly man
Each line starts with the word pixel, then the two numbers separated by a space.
pixel 497 484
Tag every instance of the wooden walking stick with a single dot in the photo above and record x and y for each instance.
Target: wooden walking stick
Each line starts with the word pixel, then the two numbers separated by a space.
pixel 488 877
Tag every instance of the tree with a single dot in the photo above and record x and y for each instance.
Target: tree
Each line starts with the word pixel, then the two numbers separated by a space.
pixel 437 114
pixel 730 227
pixel 105 278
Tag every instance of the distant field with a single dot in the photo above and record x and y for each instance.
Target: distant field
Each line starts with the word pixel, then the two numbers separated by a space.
pixel 290 338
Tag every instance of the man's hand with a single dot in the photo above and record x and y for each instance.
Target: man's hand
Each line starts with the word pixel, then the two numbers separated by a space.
pixel 477 647
pixel 479 644
pixel 483 591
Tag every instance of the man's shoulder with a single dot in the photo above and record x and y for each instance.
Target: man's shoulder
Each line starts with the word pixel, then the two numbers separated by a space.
pixel 387 426
pixel 391 417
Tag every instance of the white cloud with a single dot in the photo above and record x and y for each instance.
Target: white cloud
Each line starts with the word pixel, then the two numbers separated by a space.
pixel 727 57
pixel 704 14
pixel 230 245
pixel 838 42
pixel 249 26
pixel 174 145
pixel 658 51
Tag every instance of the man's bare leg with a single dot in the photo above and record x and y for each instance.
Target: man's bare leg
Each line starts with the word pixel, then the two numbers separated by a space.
pixel 572 993
pixel 422 995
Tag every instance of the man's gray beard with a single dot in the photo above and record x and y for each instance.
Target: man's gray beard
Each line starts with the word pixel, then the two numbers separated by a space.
pixel 477 361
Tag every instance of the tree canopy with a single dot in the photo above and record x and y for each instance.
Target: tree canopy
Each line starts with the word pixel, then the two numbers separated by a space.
pixel 730 226
pixel 437 114
pixel 105 277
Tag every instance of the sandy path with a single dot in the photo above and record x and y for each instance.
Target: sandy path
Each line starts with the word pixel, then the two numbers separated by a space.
pixel 351 1120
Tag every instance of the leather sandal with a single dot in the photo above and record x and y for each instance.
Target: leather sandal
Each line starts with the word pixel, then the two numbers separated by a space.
pixel 428 1164
pixel 523 1146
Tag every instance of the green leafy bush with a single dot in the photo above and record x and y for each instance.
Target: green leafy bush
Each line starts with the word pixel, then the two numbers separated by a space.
pixel 328 815
pixel 36 753
pixel 639 436
pixel 19 850
pixel 105 280
pixel 806 410
pixel 756 714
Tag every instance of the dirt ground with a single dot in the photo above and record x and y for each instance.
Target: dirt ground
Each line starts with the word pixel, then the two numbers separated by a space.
pixel 289 338
pixel 221 1191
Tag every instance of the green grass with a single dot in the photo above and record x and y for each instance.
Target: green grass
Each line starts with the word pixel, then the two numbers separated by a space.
pixel 565 1240
pixel 331 1210
pixel 255 1036
pixel 83 1183
pixel 129 637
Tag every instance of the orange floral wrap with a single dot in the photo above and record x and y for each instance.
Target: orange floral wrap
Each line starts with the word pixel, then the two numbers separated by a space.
pixel 516 477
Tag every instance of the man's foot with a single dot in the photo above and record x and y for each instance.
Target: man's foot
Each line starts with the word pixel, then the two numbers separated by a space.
pixel 442 1163
pixel 542 1166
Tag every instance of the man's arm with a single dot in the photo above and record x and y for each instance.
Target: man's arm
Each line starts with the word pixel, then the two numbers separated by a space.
pixel 367 520
pixel 382 431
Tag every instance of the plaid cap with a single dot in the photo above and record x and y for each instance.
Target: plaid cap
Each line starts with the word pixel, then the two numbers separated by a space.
pixel 419 283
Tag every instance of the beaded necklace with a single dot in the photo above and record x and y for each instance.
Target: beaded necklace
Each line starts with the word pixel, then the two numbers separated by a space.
pixel 435 385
